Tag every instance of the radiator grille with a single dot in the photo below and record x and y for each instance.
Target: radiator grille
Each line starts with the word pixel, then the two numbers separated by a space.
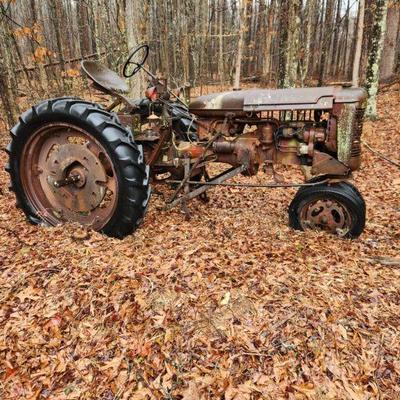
pixel 357 131
pixel 289 115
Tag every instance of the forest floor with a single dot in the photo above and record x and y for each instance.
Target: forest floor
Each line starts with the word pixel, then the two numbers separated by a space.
pixel 232 304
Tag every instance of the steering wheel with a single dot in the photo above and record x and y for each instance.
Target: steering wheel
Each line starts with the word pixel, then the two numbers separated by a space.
pixel 138 65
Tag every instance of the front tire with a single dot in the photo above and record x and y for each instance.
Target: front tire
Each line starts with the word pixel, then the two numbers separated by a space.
pixel 337 208
pixel 71 161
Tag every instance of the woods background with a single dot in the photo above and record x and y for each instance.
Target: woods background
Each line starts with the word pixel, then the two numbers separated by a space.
pixel 233 304
pixel 277 43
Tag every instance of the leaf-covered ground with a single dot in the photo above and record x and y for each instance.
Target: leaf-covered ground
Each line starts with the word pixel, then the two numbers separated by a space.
pixel 232 304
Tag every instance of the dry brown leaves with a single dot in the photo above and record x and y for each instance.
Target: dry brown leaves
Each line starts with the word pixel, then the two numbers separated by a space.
pixel 230 305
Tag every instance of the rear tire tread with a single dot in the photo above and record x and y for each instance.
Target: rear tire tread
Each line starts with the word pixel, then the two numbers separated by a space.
pixel 134 192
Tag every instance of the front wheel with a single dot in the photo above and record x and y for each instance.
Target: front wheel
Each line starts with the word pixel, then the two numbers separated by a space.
pixel 336 208
pixel 71 161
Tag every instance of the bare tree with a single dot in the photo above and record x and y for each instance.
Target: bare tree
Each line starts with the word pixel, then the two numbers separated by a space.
pixel 202 42
pixel 326 39
pixel 389 48
pixel 293 44
pixel 82 15
pixel 360 31
pixel 221 70
pixel 312 16
pixel 374 57
pixel 239 55
pixel 7 94
pixel 270 34
pixel 134 33
pixel 283 42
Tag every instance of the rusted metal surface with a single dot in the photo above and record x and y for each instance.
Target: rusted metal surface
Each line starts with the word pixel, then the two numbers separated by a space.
pixel 69 176
pixel 349 130
pixel 320 98
pixel 203 188
pixel 325 164
pixel 325 214
pixel 165 134
pixel 344 132
pixel 68 161
pixel 331 135
pixel 355 153
pixel 107 79
pixel 255 185
pixel 318 129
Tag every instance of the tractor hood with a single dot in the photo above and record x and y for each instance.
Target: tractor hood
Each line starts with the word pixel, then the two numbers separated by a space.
pixel 318 98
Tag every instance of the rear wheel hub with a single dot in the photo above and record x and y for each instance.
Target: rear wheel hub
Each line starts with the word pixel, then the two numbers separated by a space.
pixel 82 175
pixel 69 176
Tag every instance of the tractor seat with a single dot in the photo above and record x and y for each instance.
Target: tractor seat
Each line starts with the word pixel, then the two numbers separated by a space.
pixel 104 77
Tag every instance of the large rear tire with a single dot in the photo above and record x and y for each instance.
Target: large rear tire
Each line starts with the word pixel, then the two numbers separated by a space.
pixel 71 161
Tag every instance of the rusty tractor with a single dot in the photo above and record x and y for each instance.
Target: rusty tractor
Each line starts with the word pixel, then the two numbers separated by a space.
pixel 75 160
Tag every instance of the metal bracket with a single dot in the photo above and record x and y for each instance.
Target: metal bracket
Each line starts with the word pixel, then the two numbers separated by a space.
pixel 205 186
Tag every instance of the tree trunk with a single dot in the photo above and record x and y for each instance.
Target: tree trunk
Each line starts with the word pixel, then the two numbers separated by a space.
pixel 293 44
pixel 283 42
pixel 9 35
pixel 7 60
pixel 336 40
pixel 7 95
pixel 43 81
pixel 55 6
pixel 397 52
pixel 221 71
pixel 359 40
pixel 268 41
pixel 389 49
pixel 239 54
pixel 85 42
pixel 204 32
pixel 327 36
pixel 369 18
pixel 374 57
pixel 7 99
pixel 185 45
pixel 134 22
pixel 96 9
pixel 311 20
pixel 57 21
pixel 344 46
pixel 320 34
